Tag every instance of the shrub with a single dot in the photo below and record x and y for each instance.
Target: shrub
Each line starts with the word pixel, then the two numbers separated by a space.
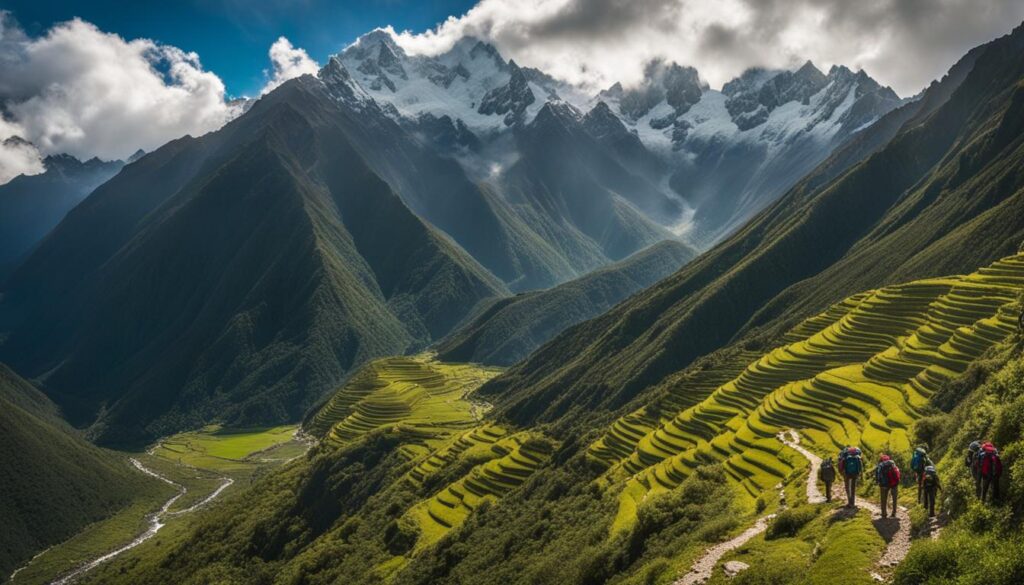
pixel 789 522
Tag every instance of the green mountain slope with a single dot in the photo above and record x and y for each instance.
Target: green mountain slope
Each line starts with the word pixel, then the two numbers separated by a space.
pixel 407 487
pixel 268 262
pixel 509 329
pixel 943 195
pixel 53 482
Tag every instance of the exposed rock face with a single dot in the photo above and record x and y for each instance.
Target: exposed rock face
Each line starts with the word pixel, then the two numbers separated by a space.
pixel 510 100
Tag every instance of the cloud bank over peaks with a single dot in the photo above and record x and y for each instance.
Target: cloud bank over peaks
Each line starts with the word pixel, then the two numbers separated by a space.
pixel 902 43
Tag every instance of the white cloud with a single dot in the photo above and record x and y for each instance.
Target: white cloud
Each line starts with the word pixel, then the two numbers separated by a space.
pixel 902 43
pixel 288 62
pixel 17 156
pixel 82 91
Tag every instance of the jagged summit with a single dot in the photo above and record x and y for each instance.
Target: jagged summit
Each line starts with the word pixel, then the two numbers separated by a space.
pixel 727 152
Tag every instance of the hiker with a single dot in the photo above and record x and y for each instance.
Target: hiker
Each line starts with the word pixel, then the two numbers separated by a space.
pixel 931 484
pixel 918 463
pixel 973 451
pixel 827 475
pixel 887 476
pixel 990 467
pixel 851 467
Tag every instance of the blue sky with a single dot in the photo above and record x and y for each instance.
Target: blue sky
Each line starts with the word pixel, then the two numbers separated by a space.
pixel 232 36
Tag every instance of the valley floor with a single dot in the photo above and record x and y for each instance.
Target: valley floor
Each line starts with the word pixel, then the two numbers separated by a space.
pixel 197 467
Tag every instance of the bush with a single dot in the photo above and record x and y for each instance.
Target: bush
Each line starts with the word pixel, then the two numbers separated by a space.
pixel 789 522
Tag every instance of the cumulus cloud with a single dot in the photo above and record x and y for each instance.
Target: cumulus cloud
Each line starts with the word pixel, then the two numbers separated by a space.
pixel 82 91
pixel 902 43
pixel 288 62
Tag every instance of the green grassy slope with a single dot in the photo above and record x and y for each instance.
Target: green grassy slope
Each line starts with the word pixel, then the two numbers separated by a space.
pixel 53 482
pixel 242 296
pixel 944 195
pixel 861 379
pixel 511 328
pixel 408 486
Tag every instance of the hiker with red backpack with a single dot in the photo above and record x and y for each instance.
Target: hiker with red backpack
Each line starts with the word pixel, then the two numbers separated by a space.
pixel 972 460
pixel 990 467
pixel 850 467
pixel 887 476
pixel 918 462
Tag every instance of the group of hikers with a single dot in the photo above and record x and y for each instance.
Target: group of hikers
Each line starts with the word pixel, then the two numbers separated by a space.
pixel 982 460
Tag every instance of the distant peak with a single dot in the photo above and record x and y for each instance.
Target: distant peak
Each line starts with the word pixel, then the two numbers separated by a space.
pixel 378 37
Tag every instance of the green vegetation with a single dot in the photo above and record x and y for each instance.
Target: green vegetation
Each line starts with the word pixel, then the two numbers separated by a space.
pixel 55 483
pixel 511 328
pixel 200 461
pixel 861 379
pixel 982 544
pixel 217 449
pixel 817 549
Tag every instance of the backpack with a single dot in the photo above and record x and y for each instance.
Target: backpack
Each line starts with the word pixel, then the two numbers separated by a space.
pixel 917 462
pixel 972 454
pixel 887 474
pixel 852 464
pixel 990 465
pixel 931 476
pixel 841 459
pixel 826 472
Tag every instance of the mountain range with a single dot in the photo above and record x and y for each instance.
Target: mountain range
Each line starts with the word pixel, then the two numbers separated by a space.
pixel 30 206
pixel 682 282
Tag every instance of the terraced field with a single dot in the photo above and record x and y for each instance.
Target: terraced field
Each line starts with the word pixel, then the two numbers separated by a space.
pixel 428 404
pixel 859 373
pixel 423 399
pixel 510 461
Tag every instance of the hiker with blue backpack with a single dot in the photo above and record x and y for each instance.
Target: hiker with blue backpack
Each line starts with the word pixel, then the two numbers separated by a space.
pixel 918 463
pixel 850 467
pixel 887 476
pixel 827 475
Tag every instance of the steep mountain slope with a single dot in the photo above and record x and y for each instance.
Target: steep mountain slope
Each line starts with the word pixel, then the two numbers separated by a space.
pixel 509 329
pixel 267 260
pixel 739 149
pixel 30 206
pixel 942 196
pixel 533 232
pixel 54 482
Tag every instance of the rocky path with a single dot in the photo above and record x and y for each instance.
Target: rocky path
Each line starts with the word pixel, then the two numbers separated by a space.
pixel 895 530
pixel 702 568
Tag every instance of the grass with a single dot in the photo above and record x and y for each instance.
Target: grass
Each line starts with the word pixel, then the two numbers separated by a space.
pixel 226 450
pixel 860 373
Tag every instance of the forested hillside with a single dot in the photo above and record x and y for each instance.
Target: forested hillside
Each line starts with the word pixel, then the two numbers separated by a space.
pixel 53 481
